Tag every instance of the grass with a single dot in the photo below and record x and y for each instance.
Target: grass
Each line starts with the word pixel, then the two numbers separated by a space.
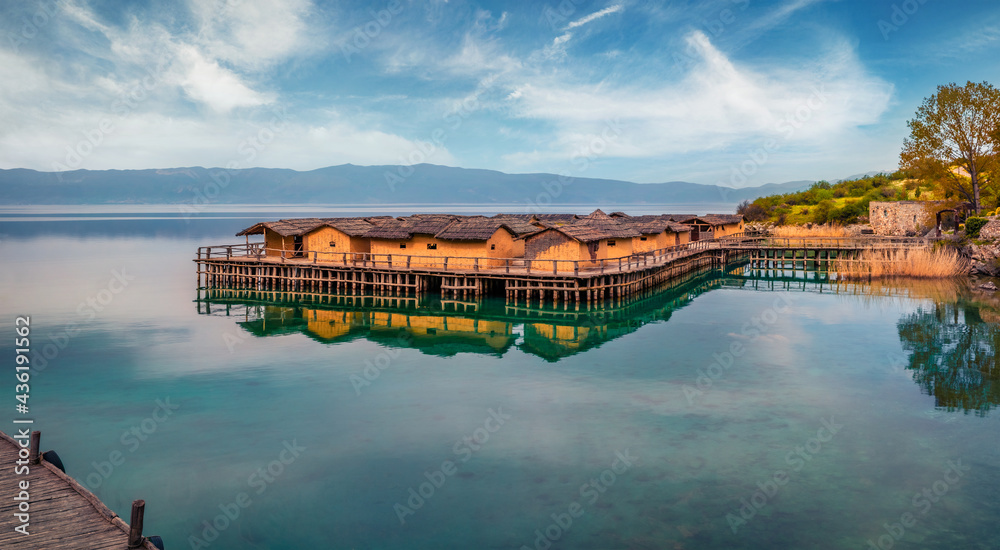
pixel 913 263
pixel 814 231
pixel 803 213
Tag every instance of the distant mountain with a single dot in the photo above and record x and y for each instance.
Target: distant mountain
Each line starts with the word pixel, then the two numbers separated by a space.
pixel 864 175
pixel 350 184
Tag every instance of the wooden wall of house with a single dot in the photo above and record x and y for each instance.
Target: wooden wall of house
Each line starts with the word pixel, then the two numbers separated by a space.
pixel 503 245
pixel 727 229
pixel 273 243
pixel 621 248
pixel 320 239
pixel 649 243
pixel 432 257
pixel 553 245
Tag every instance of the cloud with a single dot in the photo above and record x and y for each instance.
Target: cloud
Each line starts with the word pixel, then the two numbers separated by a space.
pixel 253 34
pixel 218 88
pixel 147 94
pixel 557 49
pixel 717 104
pixel 594 16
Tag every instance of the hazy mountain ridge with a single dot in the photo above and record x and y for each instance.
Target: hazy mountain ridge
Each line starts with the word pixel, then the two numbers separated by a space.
pixel 350 184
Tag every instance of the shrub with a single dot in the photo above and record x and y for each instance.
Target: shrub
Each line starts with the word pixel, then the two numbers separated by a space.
pixel 973 225
pixel 752 212
pixel 822 212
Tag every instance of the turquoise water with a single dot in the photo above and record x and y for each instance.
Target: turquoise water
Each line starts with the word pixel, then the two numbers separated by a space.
pixel 822 411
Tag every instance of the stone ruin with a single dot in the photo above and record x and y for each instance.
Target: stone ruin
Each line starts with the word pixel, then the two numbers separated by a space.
pixel 900 218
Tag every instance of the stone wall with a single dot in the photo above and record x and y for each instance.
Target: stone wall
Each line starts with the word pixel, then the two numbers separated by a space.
pixel 991 230
pixel 897 218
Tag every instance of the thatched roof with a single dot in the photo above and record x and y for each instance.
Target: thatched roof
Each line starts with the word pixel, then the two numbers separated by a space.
pixel 722 219
pixel 407 227
pixel 713 220
pixel 597 215
pixel 596 229
pixel 472 229
pixel 355 227
pixel 654 225
pixel 285 228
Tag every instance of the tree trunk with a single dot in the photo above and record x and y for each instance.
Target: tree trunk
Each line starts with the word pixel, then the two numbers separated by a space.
pixel 975 188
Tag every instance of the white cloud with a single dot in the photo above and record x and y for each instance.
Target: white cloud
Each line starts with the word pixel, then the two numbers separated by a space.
pixel 596 15
pixel 716 105
pixel 145 140
pixel 206 82
pixel 254 34
pixel 557 49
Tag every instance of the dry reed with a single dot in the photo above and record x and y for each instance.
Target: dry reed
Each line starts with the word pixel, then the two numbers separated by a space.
pixel 814 231
pixel 917 263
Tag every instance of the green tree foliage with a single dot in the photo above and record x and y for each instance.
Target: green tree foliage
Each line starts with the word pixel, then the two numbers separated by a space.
pixel 821 194
pixel 957 127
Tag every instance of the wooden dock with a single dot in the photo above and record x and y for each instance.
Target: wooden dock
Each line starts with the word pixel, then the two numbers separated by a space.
pixel 520 280
pixel 63 513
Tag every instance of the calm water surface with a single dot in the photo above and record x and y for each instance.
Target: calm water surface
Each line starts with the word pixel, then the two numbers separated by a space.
pixel 733 411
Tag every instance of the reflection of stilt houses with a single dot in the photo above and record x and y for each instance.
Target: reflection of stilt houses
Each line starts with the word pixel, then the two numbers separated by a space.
pixel 438 327
pixel 443 335
pixel 433 334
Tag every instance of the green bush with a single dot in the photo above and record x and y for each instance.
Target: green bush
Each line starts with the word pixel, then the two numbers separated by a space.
pixel 822 211
pixel 973 225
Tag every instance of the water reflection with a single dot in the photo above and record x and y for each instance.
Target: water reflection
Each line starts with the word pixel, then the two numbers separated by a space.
pixel 953 352
pixel 442 327
pixel 952 341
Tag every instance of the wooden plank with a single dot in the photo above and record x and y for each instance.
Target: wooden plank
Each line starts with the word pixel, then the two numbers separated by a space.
pixel 64 514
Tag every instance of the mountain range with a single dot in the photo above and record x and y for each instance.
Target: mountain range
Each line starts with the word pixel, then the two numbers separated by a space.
pixel 350 184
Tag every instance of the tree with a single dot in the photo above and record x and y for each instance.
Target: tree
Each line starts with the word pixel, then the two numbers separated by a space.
pixel 953 138
pixel 751 211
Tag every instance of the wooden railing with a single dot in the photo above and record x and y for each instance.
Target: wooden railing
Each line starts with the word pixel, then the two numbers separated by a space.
pixel 764 241
pixel 639 260
pixel 455 263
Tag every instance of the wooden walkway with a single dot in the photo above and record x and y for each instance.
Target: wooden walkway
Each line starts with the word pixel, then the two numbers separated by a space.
pixel 519 279
pixel 63 514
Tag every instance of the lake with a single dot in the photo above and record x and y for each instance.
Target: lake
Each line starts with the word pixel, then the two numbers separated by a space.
pixel 735 410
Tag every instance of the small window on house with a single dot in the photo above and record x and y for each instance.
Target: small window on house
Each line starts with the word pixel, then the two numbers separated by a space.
pixel 611 243
pixel 914 219
pixel 885 213
pixel 333 244
pixel 642 238
pixel 493 247
pixel 402 245
pixel 432 246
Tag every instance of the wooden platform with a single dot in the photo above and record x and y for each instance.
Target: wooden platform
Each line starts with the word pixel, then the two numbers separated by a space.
pixel 520 280
pixel 64 514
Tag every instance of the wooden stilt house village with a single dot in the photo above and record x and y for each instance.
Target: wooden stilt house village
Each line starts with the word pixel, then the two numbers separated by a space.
pixel 562 256
pixel 426 238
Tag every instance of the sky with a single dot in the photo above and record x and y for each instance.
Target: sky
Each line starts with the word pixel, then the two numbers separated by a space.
pixel 728 92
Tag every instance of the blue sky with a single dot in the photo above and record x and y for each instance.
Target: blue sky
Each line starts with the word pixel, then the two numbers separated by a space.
pixel 731 92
